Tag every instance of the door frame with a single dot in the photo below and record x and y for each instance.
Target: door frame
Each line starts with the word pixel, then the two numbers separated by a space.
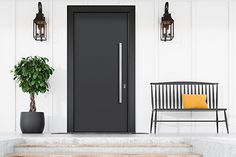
pixel 131 59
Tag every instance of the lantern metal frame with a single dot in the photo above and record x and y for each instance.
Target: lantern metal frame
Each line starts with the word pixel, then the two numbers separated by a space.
pixel 167 25
pixel 40 25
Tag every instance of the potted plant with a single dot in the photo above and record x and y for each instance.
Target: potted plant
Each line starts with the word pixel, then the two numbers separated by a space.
pixel 32 74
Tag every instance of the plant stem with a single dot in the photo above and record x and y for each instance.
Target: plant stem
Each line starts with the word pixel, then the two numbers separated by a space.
pixel 32 103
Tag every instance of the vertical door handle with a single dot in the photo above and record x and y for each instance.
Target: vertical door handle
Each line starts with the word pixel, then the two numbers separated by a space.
pixel 120 73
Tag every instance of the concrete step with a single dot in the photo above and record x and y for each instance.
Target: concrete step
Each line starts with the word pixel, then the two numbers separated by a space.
pixel 118 148
pixel 101 155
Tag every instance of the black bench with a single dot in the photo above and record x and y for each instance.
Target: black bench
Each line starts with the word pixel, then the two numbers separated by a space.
pixel 167 97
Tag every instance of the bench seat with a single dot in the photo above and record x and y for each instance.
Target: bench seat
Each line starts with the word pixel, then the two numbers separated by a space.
pixel 198 109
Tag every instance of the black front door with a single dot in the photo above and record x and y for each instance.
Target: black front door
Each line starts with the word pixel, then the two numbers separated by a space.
pixel 100 71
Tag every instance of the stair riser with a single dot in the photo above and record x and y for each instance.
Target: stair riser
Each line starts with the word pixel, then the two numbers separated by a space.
pixel 104 140
pixel 129 150
pixel 105 155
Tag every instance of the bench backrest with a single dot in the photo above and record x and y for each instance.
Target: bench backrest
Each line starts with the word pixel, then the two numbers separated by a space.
pixel 168 95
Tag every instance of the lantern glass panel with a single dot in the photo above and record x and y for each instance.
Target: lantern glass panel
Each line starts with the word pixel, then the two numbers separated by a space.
pixel 40 31
pixel 167 32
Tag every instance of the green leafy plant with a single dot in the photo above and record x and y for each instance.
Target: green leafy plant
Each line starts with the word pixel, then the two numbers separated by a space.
pixel 32 74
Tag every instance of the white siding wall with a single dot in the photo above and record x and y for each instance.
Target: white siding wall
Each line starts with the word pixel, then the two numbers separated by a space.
pixel 202 50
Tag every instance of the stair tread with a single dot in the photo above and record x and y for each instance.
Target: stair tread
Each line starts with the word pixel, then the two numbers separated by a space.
pixel 101 155
pixel 102 145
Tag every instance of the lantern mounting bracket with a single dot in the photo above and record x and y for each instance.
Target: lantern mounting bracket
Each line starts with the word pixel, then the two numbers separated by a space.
pixel 166 8
pixel 40 7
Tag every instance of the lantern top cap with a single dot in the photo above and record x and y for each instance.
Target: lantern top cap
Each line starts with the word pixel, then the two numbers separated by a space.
pixel 167 15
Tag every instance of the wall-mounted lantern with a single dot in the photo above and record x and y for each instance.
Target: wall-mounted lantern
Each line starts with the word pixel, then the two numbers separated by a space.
pixel 40 25
pixel 167 25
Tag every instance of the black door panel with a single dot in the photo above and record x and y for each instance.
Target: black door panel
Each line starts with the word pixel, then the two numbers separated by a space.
pixel 99 38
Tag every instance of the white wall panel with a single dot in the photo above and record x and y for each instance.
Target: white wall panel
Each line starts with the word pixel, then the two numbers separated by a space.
pixel 73 2
pixel 212 42
pixel 127 2
pixel 232 61
pixel 211 48
pixel 103 2
pixel 7 60
pixel 145 50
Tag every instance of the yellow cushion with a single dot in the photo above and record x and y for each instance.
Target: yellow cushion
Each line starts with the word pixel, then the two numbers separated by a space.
pixel 191 101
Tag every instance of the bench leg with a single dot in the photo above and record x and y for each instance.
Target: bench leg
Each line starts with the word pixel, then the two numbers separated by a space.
pixel 155 122
pixel 151 122
pixel 226 122
pixel 217 122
